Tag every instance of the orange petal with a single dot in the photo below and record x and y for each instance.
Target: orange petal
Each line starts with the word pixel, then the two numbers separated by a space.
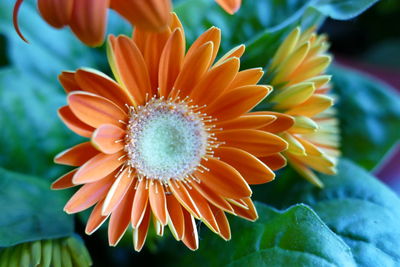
pixel 120 218
pixel 176 23
pixel 56 13
pixel 237 102
pixel 68 81
pixel 139 203
pixel 230 6
pixel 77 155
pixel 225 179
pixel 252 169
pixel 131 68
pixel 194 67
pixel 73 123
pixel 234 52
pixel 222 221
pixel 275 162
pixel 215 81
pixel 96 82
pixel 212 196
pixel 95 110
pixel 282 123
pixel 140 234
pixel 89 194
pixel 88 20
pixel 171 62
pixel 247 77
pixel 117 192
pixel 250 213
pixel 247 121
pixel 97 168
pixel 182 195
pixel 64 181
pixel 151 45
pixel 191 239
pixel 95 219
pixel 211 35
pixel 256 142
pixel 153 15
pixel 108 138
pixel 158 202
pixel 177 223
pixel 205 211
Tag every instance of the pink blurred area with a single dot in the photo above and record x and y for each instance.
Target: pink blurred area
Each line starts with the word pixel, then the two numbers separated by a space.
pixel 389 170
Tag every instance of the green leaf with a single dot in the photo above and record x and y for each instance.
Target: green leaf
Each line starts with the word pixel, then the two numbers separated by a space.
pixel 369 113
pixel 30 210
pixel 295 237
pixel 31 131
pixel 360 209
pixel 343 9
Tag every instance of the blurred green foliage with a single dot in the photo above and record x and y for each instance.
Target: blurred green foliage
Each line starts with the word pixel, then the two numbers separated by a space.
pixel 369 114
pixel 30 211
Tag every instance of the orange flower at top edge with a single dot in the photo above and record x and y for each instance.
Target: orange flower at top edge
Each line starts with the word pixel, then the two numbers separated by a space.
pixel 172 140
pixel 88 18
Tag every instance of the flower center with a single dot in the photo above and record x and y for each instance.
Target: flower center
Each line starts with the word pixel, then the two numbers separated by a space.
pixel 165 140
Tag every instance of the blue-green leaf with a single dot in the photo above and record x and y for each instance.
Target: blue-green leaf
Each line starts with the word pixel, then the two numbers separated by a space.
pixel 30 210
pixel 360 209
pixel 294 237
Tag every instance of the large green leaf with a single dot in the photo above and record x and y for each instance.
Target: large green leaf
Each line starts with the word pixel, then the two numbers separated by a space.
pixel 369 113
pixel 31 132
pixel 30 210
pixel 295 237
pixel 343 9
pixel 360 209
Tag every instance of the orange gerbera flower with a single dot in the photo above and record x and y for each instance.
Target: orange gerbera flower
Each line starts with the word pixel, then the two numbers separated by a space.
pixel 88 18
pixel 297 73
pixel 172 140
